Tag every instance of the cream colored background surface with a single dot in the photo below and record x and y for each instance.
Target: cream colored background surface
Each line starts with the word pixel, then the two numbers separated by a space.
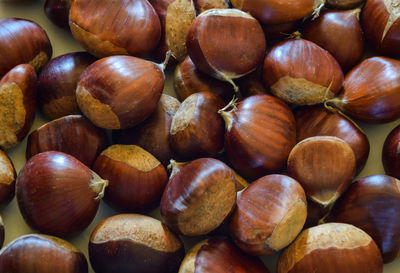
pixel 62 43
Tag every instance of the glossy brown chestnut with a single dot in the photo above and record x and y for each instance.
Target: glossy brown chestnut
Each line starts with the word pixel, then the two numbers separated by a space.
pixel 57 194
pixel 133 243
pixel 252 84
pixel 17 104
pixel 343 4
pixel 197 130
pixel 123 27
pixel 331 24
pixel 152 134
pixel 1 232
pixel 189 80
pixel 22 41
pixel 217 255
pixel 381 23
pixel 199 197
pixel 268 230
pixel 278 32
pixel 41 253
pixel 300 72
pixel 57 84
pixel 7 179
pixel 373 204
pixel 324 166
pixel 226 43
pixel 74 135
pixel 391 153
pixel 320 121
pixel 203 5
pixel 331 248
pixel 58 11
pixel 108 84
pixel 260 133
pixel 136 178
pixel 371 91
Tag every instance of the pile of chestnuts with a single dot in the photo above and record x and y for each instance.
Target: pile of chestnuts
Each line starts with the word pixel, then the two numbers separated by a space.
pixel 257 154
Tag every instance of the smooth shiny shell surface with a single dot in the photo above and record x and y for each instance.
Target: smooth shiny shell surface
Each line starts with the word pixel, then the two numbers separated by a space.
pixel 391 153
pixel 58 12
pixel 7 179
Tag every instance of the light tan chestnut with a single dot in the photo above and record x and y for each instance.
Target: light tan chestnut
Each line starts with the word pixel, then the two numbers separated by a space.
pixel 331 248
pixel 7 179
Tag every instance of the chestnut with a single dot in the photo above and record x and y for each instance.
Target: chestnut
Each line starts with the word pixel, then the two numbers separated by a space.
pixel 7 179
pixel 17 104
pixel 197 130
pixel 260 133
pixel 189 80
pixel 1 232
pixel 278 32
pixel 371 91
pixel 74 135
pixel 390 153
pixel 108 84
pixel 122 27
pixel 41 253
pixel 372 204
pixel 315 214
pixel 300 72
pixel 272 228
pixel 226 43
pixel 57 11
pixel 331 248
pixel 152 134
pixel 21 42
pixel 343 4
pixel 217 255
pixel 57 84
pixel 199 197
pixel 57 194
pixel 203 5
pixel 133 243
pixel 136 178
pixel 252 84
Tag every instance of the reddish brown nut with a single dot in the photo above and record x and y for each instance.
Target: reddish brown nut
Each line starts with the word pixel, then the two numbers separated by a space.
pixel 282 217
pixel 203 5
pixel 7 179
pixel 197 130
pixel 58 11
pixel 331 248
pixel 132 243
pixel 252 84
pixel 57 194
pixel 324 166
pixel 371 91
pixel 260 132
pixel 57 84
pixel 343 4
pixel 300 72
pixel 278 32
pixel 373 204
pixel 152 134
pixel 381 23
pixel 199 197
pixel 22 41
pixel 226 43
pixel 122 27
pixel 331 24
pixel 1 232
pixel 107 85
pixel 320 121
pixel 391 153
pixel 74 135
pixel 217 255
pixel 136 178
pixel 189 80
pixel 23 256
pixel 17 104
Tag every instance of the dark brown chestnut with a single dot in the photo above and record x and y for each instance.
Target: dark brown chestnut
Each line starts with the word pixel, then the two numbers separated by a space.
pixel 136 178
pixel 371 91
pixel 203 5
pixel 41 253
pixel 199 197
pixel 74 135
pixel 373 204
pixel 1 232
pixel 57 84
pixel 217 255
pixel 119 92
pixel 7 179
pixel 58 11
pixel 252 84
pixel 343 4
pixel 278 32
pixel 152 134
pixel 272 228
pixel 197 130
pixel 57 194
pixel 331 248
pixel 300 72
pixel 226 43
pixel 133 243
pixel 314 214
pixel 122 27
pixel 17 104
pixel 22 41
pixel 391 153
pixel 260 133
